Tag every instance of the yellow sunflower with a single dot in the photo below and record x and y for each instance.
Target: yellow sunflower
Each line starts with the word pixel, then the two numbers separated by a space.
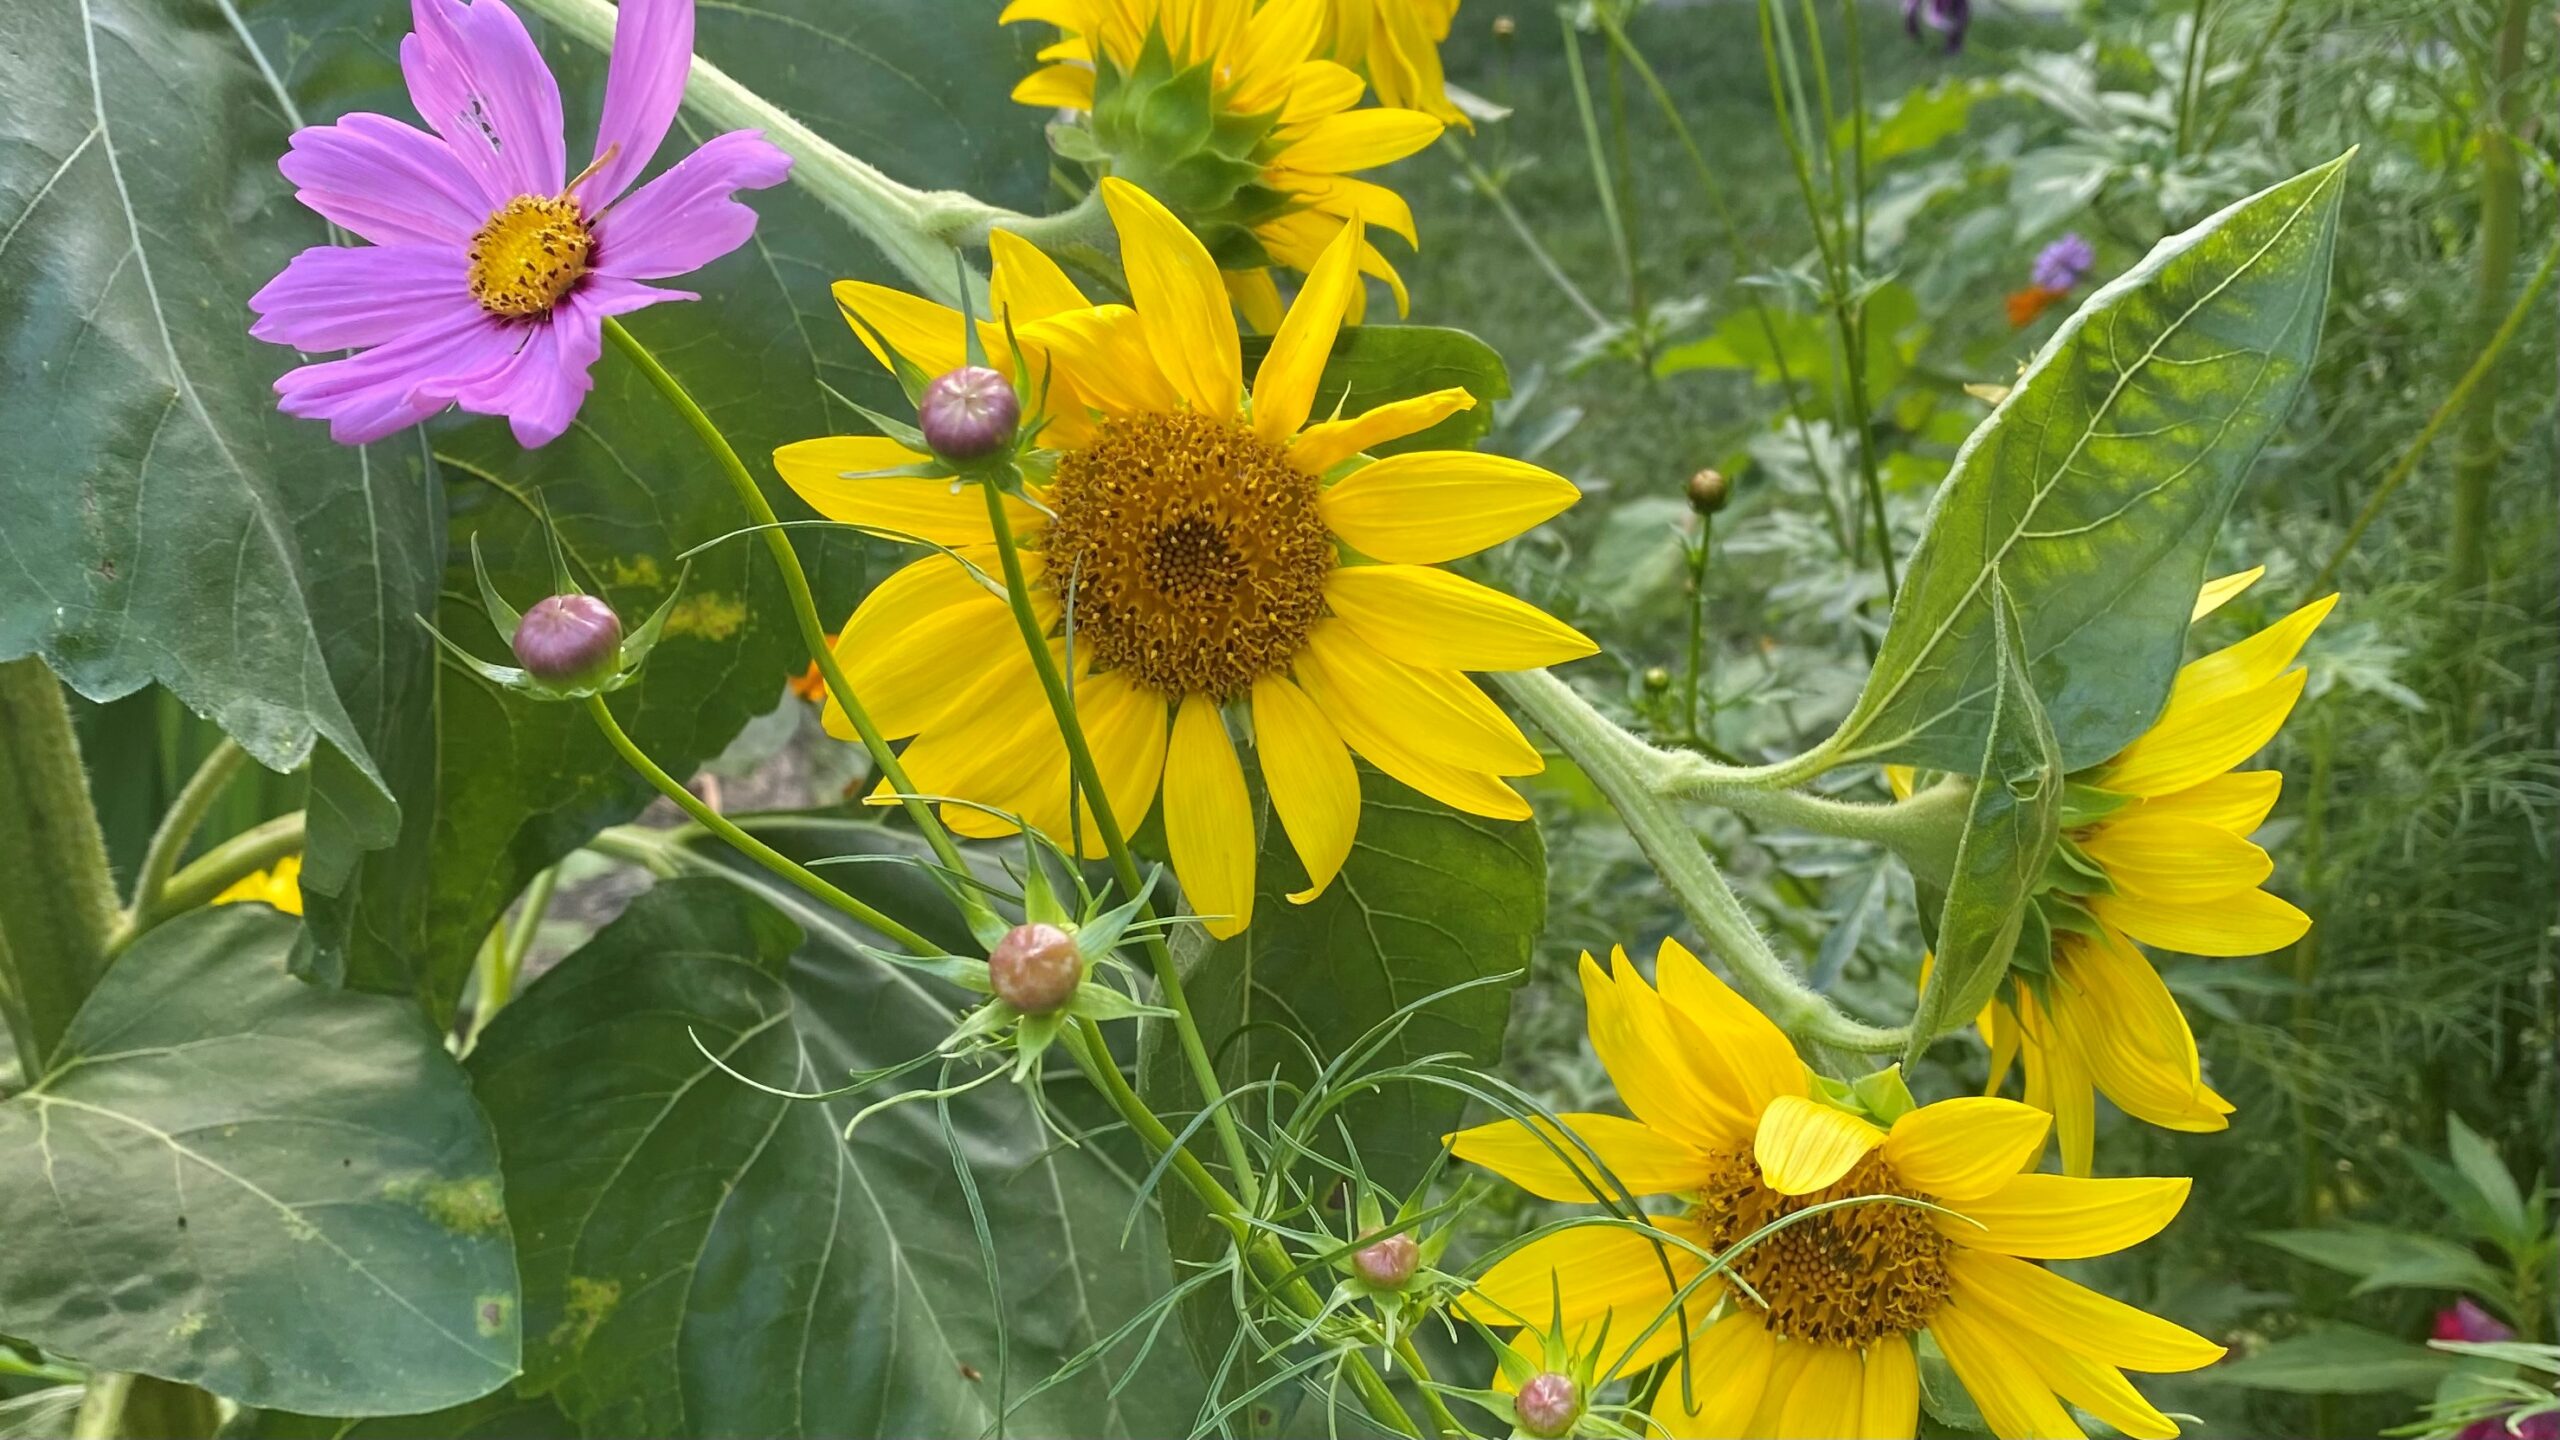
pixel 1396 43
pixel 1728 1121
pixel 1262 165
pixel 1218 551
pixel 279 885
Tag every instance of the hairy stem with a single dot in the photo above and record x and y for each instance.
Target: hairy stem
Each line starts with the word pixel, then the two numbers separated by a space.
pixel 57 903
pixel 226 865
pixel 2501 208
pixel 170 840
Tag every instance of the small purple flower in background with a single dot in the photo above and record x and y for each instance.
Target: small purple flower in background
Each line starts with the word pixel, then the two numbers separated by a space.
pixel 1947 17
pixel 2465 1320
pixel 2063 264
pixel 490 270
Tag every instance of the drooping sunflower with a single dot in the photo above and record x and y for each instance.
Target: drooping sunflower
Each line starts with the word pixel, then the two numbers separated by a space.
pixel 279 885
pixel 1217 549
pixel 1262 160
pixel 2170 865
pixel 1396 44
pixel 1728 1120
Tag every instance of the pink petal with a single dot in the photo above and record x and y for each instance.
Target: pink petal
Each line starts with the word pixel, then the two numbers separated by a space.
pixel 476 77
pixel 652 51
pixel 369 395
pixel 384 180
pixel 540 387
pixel 340 297
pixel 685 219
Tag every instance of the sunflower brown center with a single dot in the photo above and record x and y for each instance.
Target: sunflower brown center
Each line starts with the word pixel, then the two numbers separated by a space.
pixel 528 256
pixel 1190 551
pixel 1849 1276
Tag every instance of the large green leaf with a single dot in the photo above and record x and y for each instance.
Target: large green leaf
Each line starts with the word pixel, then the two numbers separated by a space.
pixel 1372 365
pixel 502 1416
pixel 496 788
pixel 2009 834
pixel 2332 1359
pixel 165 524
pixel 281 1193
pixel 2094 490
pixel 702 1257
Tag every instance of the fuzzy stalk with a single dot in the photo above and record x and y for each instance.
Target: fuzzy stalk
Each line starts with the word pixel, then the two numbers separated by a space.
pixel 57 902
pixel 2501 210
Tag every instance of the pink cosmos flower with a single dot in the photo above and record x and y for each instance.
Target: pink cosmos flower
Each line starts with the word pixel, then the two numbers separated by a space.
pixel 491 269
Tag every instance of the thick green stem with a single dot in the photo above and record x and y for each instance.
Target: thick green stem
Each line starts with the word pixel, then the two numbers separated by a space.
pixel 754 849
pixel 57 902
pixel 170 840
pixel 2501 209
pixel 804 605
pixel 500 970
pixel 1124 866
pixel 1625 770
pixel 226 865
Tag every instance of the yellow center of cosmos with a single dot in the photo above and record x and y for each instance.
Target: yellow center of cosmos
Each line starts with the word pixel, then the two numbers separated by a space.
pixel 528 256
pixel 1850 1276
pixel 1190 551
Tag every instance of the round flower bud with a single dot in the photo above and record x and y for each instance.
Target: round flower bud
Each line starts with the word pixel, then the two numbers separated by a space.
pixel 1708 490
pixel 1504 27
pixel 1656 680
pixel 569 641
pixel 1035 968
pixel 969 413
pixel 1547 1406
pixel 1388 1263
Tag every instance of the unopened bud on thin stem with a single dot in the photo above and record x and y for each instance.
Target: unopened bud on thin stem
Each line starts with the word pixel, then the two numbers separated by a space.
pixel 1708 491
pixel 1388 1263
pixel 1547 1406
pixel 569 640
pixel 969 413
pixel 1035 968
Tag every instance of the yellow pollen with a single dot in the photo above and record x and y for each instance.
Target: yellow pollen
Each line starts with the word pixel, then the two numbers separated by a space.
pixel 528 256
pixel 1191 552
pixel 1850 1276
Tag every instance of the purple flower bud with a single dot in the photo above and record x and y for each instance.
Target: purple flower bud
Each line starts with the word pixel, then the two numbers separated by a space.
pixel 2465 1320
pixel 569 641
pixel 1547 1406
pixel 969 413
pixel 1035 968
pixel 2064 264
pixel 1947 17
pixel 1388 1263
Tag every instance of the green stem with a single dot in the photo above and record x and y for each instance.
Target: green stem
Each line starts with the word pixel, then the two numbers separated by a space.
pixel 498 976
pixel 2501 207
pixel 804 606
pixel 771 859
pixel 1491 189
pixel 57 902
pixel 2190 78
pixel 2268 34
pixel 1597 155
pixel 226 865
pixel 1124 866
pixel 1696 670
pixel 1625 770
pixel 101 1414
pixel 170 840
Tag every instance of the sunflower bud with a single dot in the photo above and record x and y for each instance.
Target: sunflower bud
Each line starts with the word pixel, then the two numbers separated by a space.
pixel 568 641
pixel 1656 680
pixel 1547 1406
pixel 1708 490
pixel 969 413
pixel 1388 1263
pixel 1035 968
pixel 1504 27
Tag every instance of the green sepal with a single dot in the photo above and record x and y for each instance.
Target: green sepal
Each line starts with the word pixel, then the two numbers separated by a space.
pixel 898 430
pixel 1105 1002
pixel 2084 803
pixel 503 617
pixel 637 645
pixel 1074 142
pixel 1884 1095
pixel 509 676
pixel 2067 916
pixel 2034 951
pixel 2070 870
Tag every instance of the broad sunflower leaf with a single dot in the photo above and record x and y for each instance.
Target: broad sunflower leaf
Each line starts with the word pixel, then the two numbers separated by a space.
pixel 2094 490
pixel 703 1257
pixel 502 1416
pixel 2008 835
pixel 1373 365
pixel 235 1179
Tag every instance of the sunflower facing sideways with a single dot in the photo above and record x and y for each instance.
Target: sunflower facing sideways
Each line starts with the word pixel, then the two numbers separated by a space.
pixel 1217 549
pixel 1396 43
pixel 1221 110
pixel 1728 1121
pixel 2161 856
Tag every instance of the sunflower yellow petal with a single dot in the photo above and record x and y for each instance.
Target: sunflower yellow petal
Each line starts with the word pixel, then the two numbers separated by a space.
pixel 1655 1063
pixel 1889 1392
pixel 1716 1389
pixel 1593 1157
pixel 1786 1372
pixel 1430 506
pixel 1320 447
pixel 2175 861
pixel 2098 1389
pixel 1359 140
pixel 1431 711
pixel 994 743
pixel 2108 1004
pixel 2013 1398
pixel 1828 1393
pixel 1257 298
pixel 1124 723
pixel 927 333
pixel 2251 922
pixel 1189 325
pixel 1273 42
pixel 2237 801
pixel 2064 1217
pixel 1803 1147
pixel 1967 1147
pixel 1057 87
pixel 1314 788
pixel 2192 744
pixel 1748 1057
pixel 1318 88
pixel 1600 1275
pixel 897 649
pixel 1025 284
pixel 2028 1298
pixel 1284 388
pixel 1347 195
pixel 2058 1082
pixel 936 511
pixel 1427 616
pixel 2251 663
pixel 2220 592
pixel 1099 355
pixel 1208 819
